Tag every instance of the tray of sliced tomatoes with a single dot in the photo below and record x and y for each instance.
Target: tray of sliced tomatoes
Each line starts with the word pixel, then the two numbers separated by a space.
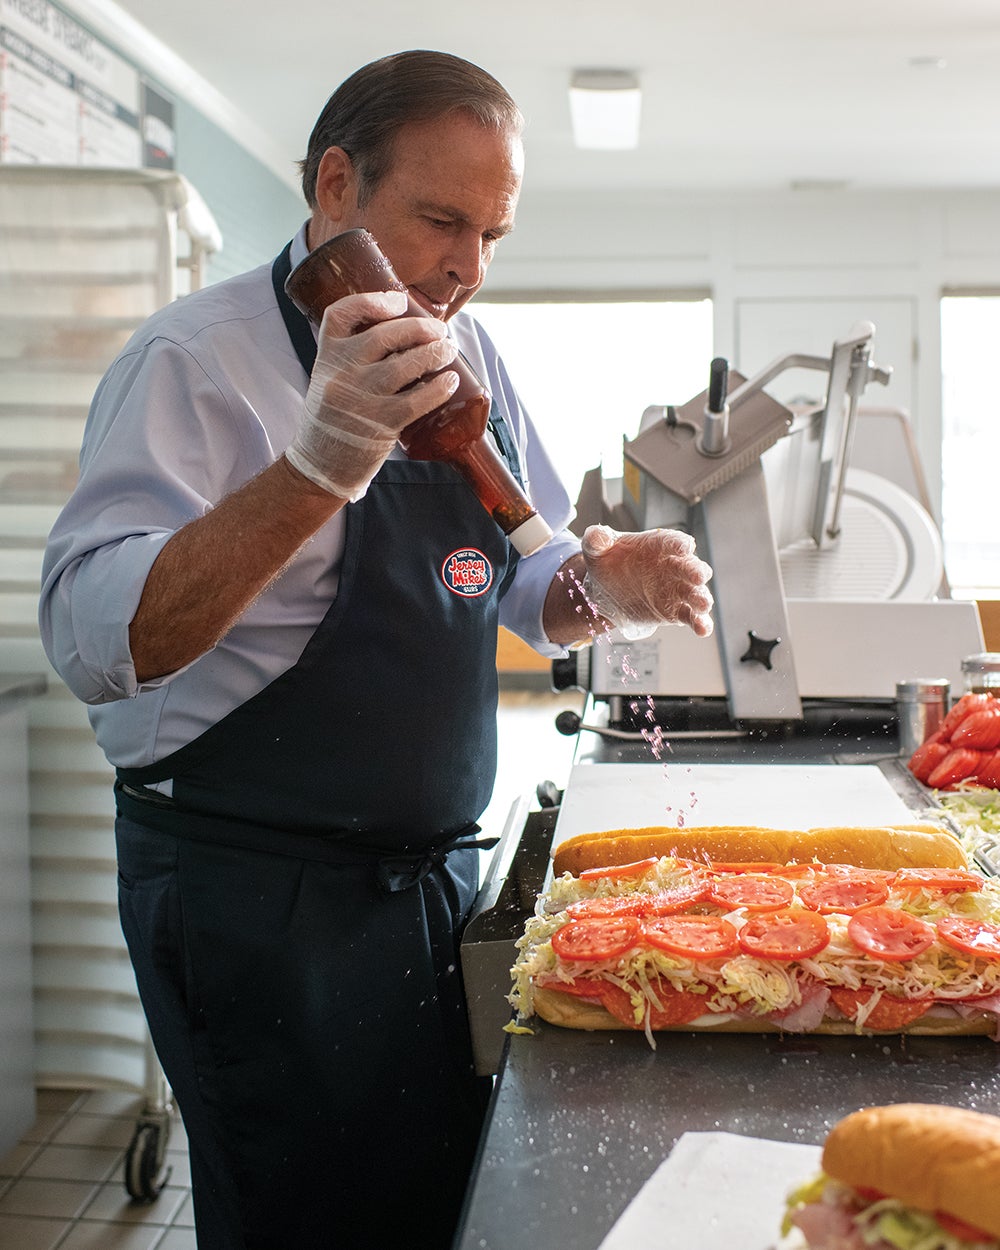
pixel 965 749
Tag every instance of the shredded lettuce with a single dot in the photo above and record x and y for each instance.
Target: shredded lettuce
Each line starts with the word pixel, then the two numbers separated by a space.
pixel 884 1224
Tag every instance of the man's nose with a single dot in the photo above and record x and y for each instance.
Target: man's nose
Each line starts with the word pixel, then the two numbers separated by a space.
pixel 468 261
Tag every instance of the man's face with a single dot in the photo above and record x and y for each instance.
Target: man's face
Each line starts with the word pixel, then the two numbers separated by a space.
pixel 438 214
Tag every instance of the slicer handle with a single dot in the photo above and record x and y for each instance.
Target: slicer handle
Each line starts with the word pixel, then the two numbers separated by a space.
pixel 718 384
pixel 714 439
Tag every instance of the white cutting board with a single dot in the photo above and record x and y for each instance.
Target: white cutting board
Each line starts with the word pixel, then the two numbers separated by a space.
pixel 777 796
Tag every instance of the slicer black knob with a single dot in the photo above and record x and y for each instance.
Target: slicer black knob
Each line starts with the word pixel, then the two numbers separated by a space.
pixel 568 723
pixel 759 650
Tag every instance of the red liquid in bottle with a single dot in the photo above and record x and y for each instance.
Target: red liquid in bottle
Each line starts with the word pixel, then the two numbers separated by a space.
pixel 455 433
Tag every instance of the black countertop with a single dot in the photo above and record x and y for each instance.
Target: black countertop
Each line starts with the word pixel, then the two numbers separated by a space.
pixel 579 1121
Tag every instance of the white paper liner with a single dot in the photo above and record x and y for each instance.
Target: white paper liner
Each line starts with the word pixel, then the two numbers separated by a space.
pixel 715 1191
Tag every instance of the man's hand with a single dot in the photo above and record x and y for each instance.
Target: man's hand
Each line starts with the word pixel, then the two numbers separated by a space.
pixel 356 405
pixel 640 580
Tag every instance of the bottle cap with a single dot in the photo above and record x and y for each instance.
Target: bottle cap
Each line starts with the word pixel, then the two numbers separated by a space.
pixel 530 535
pixel 985 662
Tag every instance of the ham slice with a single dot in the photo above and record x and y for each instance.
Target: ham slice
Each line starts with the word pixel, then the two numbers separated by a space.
pixel 828 1227
pixel 807 1015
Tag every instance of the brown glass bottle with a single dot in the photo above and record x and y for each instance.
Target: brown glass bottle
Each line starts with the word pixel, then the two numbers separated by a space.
pixel 352 263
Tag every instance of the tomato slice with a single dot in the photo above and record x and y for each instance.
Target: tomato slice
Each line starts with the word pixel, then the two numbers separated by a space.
pixel 947 880
pixel 926 758
pixel 677 898
pixel 842 894
pixel 724 867
pixel 889 1013
pixel 596 938
pixel 662 903
pixel 957 765
pixel 695 937
pixel 966 705
pixel 619 872
pixel 972 937
pixel 955 1227
pixel 791 933
pixel 613 905
pixel 856 873
pixel 676 1006
pixel 888 933
pixel 753 893
pixel 868 1194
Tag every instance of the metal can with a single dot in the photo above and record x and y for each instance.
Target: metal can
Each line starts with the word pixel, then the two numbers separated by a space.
pixel 981 673
pixel 921 706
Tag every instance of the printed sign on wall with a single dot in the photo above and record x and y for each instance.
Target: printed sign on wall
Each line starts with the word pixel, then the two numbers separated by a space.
pixel 68 99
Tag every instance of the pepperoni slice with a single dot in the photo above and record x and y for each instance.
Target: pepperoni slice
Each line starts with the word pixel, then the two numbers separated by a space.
pixel 947 880
pixel 694 937
pixel 596 938
pixel 791 933
pixel 972 937
pixel 619 872
pixel 579 987
pixel 753 893
pixel 888 933
pixel 676 1006
pixel 842 894
pixel 889 1014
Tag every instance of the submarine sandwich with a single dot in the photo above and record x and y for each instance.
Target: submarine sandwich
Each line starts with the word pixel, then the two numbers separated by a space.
pixel 911 1176
pixel 671 943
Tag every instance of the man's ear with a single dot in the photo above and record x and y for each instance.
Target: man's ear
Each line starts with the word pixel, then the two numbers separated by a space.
pixel 336 185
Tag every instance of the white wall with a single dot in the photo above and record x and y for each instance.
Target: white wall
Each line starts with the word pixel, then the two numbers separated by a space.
pixel 790 263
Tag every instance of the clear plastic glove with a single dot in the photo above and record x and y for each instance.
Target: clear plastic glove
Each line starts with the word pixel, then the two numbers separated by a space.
pixel 356 406
pixel 640 580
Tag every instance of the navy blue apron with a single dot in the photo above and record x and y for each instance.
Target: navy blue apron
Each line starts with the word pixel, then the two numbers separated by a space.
pixel 293 911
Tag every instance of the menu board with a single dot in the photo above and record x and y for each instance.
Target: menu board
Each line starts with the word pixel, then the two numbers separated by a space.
pixel 68 99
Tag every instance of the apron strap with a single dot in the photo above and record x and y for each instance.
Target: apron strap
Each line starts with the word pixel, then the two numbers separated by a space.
pixel 394 870
pixel 400 872
pixel 296 323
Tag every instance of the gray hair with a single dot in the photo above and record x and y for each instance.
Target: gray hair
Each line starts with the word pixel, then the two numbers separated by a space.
pixel 367 109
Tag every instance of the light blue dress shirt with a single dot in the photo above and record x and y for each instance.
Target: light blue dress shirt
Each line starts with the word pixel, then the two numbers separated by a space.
pixel 204 397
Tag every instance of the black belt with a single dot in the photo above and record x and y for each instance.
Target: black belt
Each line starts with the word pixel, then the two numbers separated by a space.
pixel 395 869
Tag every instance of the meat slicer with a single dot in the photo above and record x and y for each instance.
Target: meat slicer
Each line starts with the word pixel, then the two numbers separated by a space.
pixel 828 577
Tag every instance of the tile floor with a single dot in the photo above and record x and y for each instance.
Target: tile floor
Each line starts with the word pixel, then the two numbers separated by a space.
pixel 62 1187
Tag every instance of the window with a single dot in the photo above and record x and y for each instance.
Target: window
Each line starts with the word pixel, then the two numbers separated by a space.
pixel 586 369
pixel 970 331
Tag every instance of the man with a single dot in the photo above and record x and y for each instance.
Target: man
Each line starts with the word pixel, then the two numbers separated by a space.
pixel 246 588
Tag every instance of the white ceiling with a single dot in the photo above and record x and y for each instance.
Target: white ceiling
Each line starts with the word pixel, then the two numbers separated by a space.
pixel 736 93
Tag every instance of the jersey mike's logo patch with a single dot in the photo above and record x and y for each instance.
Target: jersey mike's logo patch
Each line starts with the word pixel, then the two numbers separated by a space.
pixel 467 572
